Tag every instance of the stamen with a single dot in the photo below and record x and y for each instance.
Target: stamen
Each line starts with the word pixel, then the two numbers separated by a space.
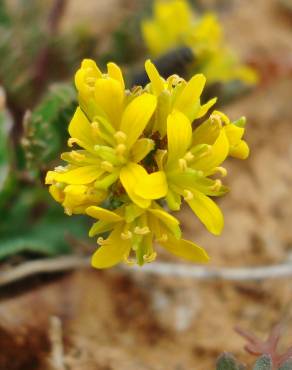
pixel 150 257
pixel 182 164
pixel 217 185
pixel 107 166
pixel 102 241
pixel 71 141
pixel 121 149
pixel 120 137
pixel 77 156
pixel 188 195
pixel 142 230
pixel 129 261
pixel 189 157
pixel 95 127
pixel 68 211
pixel 163 238
pixel 126 235
pixel 221 170
pixel 60 169
pixel 206 152
pixel 216 119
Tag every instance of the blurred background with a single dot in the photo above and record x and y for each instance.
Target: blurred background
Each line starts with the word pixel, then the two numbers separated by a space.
pixel 120 319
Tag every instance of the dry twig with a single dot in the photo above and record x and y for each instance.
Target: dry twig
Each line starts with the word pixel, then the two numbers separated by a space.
pixel 56 338
pixel 66 263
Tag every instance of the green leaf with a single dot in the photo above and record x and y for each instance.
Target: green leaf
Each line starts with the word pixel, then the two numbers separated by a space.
pixel 49 237
pixel 4 16
pixel 227 362
pixel 263 363
pixel 46 127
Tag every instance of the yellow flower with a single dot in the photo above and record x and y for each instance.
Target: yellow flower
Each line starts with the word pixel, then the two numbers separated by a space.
pixel 187 163
pixel 76 198
pixel 135 229
pixel 175 24
pixel 176 93
pixel 135 147
pixel 111 140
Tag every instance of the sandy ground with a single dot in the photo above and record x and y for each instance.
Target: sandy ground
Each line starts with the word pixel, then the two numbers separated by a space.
pixel 122 321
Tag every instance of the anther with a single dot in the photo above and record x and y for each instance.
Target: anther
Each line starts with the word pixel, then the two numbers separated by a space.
pixel 120 137
pixel 126 235
pixel 129 261
pixel 221 170
pixel 142 230
pixel 216 119
pixel 163 238
pixel 189 157
pixel 188 195
pixel 107 166
pixel 217 185
pixel 68 211
pixel 101 241
pixel 150 257
pixel 72 141
pixel 60 169
pixel 77 156
pixel 120 149
pixel 182 164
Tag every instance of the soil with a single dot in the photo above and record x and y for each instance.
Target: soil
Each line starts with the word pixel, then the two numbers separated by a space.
pixel 119 320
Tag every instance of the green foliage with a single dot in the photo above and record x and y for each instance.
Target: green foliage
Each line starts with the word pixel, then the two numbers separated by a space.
pixel 33 51
pixel 227 362
pixel 45 129
pixel 263 363
pixel 286 365
pixel 30 226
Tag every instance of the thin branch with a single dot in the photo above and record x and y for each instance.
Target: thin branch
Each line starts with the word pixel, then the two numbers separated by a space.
pixel 49 265
pixel 65 263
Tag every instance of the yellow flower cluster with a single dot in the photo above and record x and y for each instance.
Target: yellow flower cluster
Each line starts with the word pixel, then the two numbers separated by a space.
pixel 136 154
pixel 174 24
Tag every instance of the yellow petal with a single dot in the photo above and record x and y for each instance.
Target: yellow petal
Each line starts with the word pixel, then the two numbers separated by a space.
pixel 109 96
pixel 153 186
pixel 113 252
pixel 240 151
pixel 101 227
pixel 208 212
pixel 129 177
pixel 141 148
pixel 115 72
pixel 185 249
pixel 190 96
pixel 233 133
pixel 56 193
pixel 218 153
pixel 179 135
pixel 157 82
pixel 169 221
pixel 103 214
pixel 136 117
pixel 80 129
pixel 79 176
pixel 205 107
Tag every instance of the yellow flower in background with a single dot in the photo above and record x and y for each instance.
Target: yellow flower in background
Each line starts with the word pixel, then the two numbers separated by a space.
pixel 135 229
pixel 136 152
pixel 175 24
